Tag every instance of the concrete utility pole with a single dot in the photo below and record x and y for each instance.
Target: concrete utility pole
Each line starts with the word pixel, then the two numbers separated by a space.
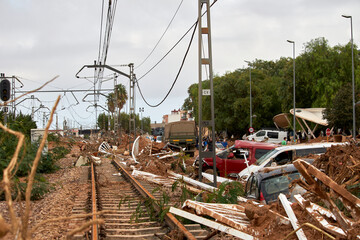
pixel 206 60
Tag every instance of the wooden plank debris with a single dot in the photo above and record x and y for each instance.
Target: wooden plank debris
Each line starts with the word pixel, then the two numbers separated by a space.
pixel 309 207
pixel 302 166
pixel 193 182
pixel 173 154
pixel 353 201
pixel 206 187
pixel 210 177
pixel 294 222
pixel 211 224
pixel 164 181
pixel 153 178
pixel 229 214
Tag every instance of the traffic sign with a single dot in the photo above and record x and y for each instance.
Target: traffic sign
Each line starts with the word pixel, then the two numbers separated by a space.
pixel 206 92
pixel 251 129
pixel 328 131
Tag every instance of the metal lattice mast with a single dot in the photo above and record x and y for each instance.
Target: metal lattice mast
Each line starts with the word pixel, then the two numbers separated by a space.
pixel 13 96
pixel 205 61
pixel 132 125
pixel 116 115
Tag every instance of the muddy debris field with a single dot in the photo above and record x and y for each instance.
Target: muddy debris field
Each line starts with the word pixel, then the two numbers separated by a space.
pixel 330 209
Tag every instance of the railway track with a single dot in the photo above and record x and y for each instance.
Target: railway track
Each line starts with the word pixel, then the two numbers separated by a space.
pixel 130 208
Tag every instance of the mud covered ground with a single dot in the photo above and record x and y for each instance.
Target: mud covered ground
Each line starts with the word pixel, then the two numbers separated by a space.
pixel 341 163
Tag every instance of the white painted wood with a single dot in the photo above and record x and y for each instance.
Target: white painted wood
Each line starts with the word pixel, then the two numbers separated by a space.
pixel 294 222
pixel 210 177
pixel 211 224
pixel 193 182
pixel 170 155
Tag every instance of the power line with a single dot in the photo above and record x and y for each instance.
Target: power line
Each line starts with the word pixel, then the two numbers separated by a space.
pixel 161 35
pixel 177 75
pixel 101 24
pixel 174 45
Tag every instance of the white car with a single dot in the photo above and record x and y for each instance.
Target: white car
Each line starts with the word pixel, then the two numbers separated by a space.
pixel 270 136
pixel 285 154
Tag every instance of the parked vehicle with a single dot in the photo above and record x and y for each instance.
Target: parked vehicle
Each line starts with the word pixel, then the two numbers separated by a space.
pixel 159 139
pixel 271 136
pixel 182 134
pixel 284 155
pixel 231 161
pixel 266 184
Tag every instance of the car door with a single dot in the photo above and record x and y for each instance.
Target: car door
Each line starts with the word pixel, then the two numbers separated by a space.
pixel 237 161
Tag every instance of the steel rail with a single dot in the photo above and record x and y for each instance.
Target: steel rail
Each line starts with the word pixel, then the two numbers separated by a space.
pixel 94 233
pixel 169 218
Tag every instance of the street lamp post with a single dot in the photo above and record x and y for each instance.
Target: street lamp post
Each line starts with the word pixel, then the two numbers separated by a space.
pixel 293 43
pixel 250 93
pixel 353 77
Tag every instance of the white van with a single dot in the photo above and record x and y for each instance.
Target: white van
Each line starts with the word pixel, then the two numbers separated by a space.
pixel 271 136
pixel 286 154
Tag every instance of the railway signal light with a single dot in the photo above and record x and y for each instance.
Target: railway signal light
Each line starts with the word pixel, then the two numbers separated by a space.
pixel 5 90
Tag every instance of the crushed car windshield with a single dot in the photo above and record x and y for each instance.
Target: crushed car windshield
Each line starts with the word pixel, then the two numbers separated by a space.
pixel 266 156
pixel 278 184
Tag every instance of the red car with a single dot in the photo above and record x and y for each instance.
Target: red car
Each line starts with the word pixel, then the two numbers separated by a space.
pixel 231 161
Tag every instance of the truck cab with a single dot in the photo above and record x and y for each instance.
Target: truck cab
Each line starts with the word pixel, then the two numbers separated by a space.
pixel 231 161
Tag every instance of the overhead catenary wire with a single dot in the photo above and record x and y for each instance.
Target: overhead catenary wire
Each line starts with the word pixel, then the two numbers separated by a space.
pixel 101 24
pixel 172 48
pixel 177 75
pixel 106 41
pixel 151 52
pixel 181 66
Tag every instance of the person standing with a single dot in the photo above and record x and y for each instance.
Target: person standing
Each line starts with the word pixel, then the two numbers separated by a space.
pixel 283 142
pixel 225 143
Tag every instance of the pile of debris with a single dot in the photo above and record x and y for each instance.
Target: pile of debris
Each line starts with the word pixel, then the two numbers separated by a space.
pixel 329 210
pixel 342 164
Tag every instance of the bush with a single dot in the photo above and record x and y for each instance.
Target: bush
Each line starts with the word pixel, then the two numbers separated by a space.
pixel 59 152
pixel 53 138
pixel 40 188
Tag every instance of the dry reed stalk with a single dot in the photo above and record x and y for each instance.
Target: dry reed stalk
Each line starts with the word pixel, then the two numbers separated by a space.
pixel 25 218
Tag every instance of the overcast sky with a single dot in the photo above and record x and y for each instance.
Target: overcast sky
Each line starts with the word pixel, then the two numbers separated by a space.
pixel 41 39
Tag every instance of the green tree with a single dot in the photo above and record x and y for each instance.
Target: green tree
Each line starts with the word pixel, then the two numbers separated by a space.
pixel 321 70
pixel 103 121
pixel 339 114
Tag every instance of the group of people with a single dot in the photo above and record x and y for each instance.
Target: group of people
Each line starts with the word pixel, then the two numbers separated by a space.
pixel 207 143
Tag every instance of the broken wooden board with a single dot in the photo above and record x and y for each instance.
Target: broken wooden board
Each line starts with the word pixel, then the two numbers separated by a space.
pixel 302 166
pixel 229 214
pixel 193 182
pixel 153 178
pixel 294 222
pixel 160 180
pixel 352 200
pixel 170 155
pixel 319 219
pixel 210 177
pixel 211 224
